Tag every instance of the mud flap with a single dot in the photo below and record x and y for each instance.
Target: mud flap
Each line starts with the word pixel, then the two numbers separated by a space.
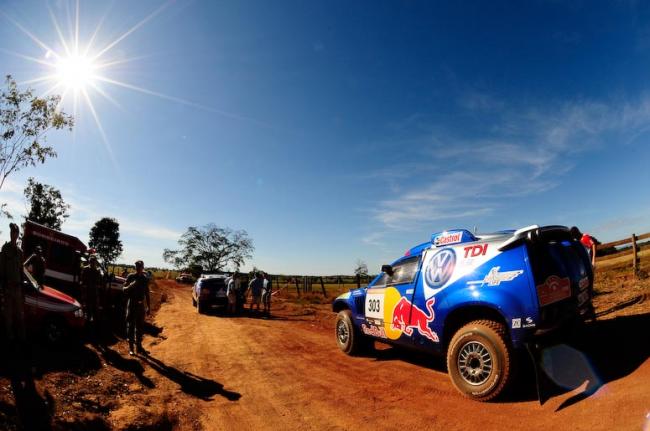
pixel 541 381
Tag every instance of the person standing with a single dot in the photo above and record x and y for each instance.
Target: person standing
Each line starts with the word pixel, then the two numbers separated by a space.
pixel 136 289
pixel 11 280
pixel 91 282
pixel 590 244
pixel 231 293
pixel 37 262
pixel 255 286
pixel 266 294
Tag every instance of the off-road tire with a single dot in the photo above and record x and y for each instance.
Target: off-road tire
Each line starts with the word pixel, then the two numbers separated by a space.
pixel 193 302
pixel 484 339
pixel 348 337
pixel 200 308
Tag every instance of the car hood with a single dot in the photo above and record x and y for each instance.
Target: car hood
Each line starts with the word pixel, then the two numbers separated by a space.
pixel 57 296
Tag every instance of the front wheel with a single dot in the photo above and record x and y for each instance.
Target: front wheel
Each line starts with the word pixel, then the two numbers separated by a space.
pixel 55 331
pixel 348 338
pixel 480 360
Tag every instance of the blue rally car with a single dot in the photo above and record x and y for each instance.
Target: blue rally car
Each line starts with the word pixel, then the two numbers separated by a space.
pixel 476 298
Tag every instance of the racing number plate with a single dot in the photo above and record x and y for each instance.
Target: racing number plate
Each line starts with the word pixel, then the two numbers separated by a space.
pixel 375 304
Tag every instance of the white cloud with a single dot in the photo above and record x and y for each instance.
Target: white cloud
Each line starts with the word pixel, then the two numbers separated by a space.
pixel 523 152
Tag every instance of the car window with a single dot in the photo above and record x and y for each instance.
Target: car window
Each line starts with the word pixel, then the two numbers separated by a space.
pixel 213 283
pixel 403 272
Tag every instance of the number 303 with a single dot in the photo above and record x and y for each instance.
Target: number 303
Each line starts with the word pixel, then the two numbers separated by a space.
pixel 374 305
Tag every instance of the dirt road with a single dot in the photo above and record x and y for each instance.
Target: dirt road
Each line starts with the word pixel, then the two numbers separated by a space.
pixel 221 373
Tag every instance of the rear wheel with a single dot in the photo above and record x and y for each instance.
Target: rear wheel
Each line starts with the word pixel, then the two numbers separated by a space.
pixel 480 360
pixel 200 308
pixel 348 338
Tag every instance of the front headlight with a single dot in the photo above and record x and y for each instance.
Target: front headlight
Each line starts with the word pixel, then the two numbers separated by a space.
pixel 79 313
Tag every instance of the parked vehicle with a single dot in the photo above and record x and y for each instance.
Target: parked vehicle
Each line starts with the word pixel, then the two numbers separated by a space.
pixel 209 291
pixel 65 256
pixel 475 298
pixel 185 278
pixel 50 314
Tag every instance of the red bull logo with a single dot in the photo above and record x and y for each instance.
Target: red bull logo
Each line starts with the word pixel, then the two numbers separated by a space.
pixel 407 317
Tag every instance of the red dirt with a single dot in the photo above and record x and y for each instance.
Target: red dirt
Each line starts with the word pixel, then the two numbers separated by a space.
pixel 220 373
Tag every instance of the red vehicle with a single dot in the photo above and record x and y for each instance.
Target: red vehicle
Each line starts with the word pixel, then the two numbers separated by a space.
pixel 50 313
pixel 64 256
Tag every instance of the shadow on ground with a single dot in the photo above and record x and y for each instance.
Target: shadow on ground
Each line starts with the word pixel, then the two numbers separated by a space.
pixel 602 352
pixel 191 384
pixel 128 365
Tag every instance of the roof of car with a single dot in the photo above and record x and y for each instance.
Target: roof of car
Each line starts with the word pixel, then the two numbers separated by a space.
pixel 205 276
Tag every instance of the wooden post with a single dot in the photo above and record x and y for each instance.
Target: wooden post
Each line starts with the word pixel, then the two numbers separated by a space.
pixel 358 281
pixel 297 286
pixel 322 286
pixel 635 261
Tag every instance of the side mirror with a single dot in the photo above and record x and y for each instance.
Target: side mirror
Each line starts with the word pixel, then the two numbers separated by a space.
pixel 388 269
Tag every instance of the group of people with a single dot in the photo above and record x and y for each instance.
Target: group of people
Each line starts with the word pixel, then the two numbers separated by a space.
pixel 259 289
pixel 93 292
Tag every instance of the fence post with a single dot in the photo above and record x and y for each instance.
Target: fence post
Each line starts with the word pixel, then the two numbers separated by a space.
pixel 322 286
pixel 297 286
pixel 358 281
pixel 635 262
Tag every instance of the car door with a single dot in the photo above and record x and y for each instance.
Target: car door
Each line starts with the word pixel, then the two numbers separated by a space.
pixel 388 303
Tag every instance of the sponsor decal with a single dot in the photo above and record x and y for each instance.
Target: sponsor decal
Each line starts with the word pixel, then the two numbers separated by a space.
pixel 495 278
pixel 373 331
pixel 583 283
pixel 475 250
pixel 446 239
pixel 441 267
pixel 529 323
pixel 516 323
pixel 582 298
pixel 554 289
pixel 407 317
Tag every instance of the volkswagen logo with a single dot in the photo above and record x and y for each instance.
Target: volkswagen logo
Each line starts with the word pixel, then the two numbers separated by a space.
pixel 441 267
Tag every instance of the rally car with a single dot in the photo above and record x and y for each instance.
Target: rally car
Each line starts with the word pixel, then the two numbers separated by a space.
pixel 475 298
pixel 49 313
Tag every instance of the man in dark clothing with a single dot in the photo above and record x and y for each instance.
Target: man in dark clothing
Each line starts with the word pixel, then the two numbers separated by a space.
pixel 12 295
pixel 91 282
pixel 136 289
pixel 37 262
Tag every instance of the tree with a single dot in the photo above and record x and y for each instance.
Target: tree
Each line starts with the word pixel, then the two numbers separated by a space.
pixel 361 269
pixel 25 121
pixel 46 205
pixel 211 247
pixel 105 238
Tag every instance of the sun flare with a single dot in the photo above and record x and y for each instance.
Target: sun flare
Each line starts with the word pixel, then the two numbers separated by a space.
pixel 75 72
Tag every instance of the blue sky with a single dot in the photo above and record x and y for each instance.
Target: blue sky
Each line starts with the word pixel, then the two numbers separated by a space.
pixel 333 132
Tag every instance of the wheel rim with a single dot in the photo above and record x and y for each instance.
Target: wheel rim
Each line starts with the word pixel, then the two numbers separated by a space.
pixel 342 332
pixel 475 363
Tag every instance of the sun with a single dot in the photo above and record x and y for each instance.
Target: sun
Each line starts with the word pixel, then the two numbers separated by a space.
pixel 75 72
